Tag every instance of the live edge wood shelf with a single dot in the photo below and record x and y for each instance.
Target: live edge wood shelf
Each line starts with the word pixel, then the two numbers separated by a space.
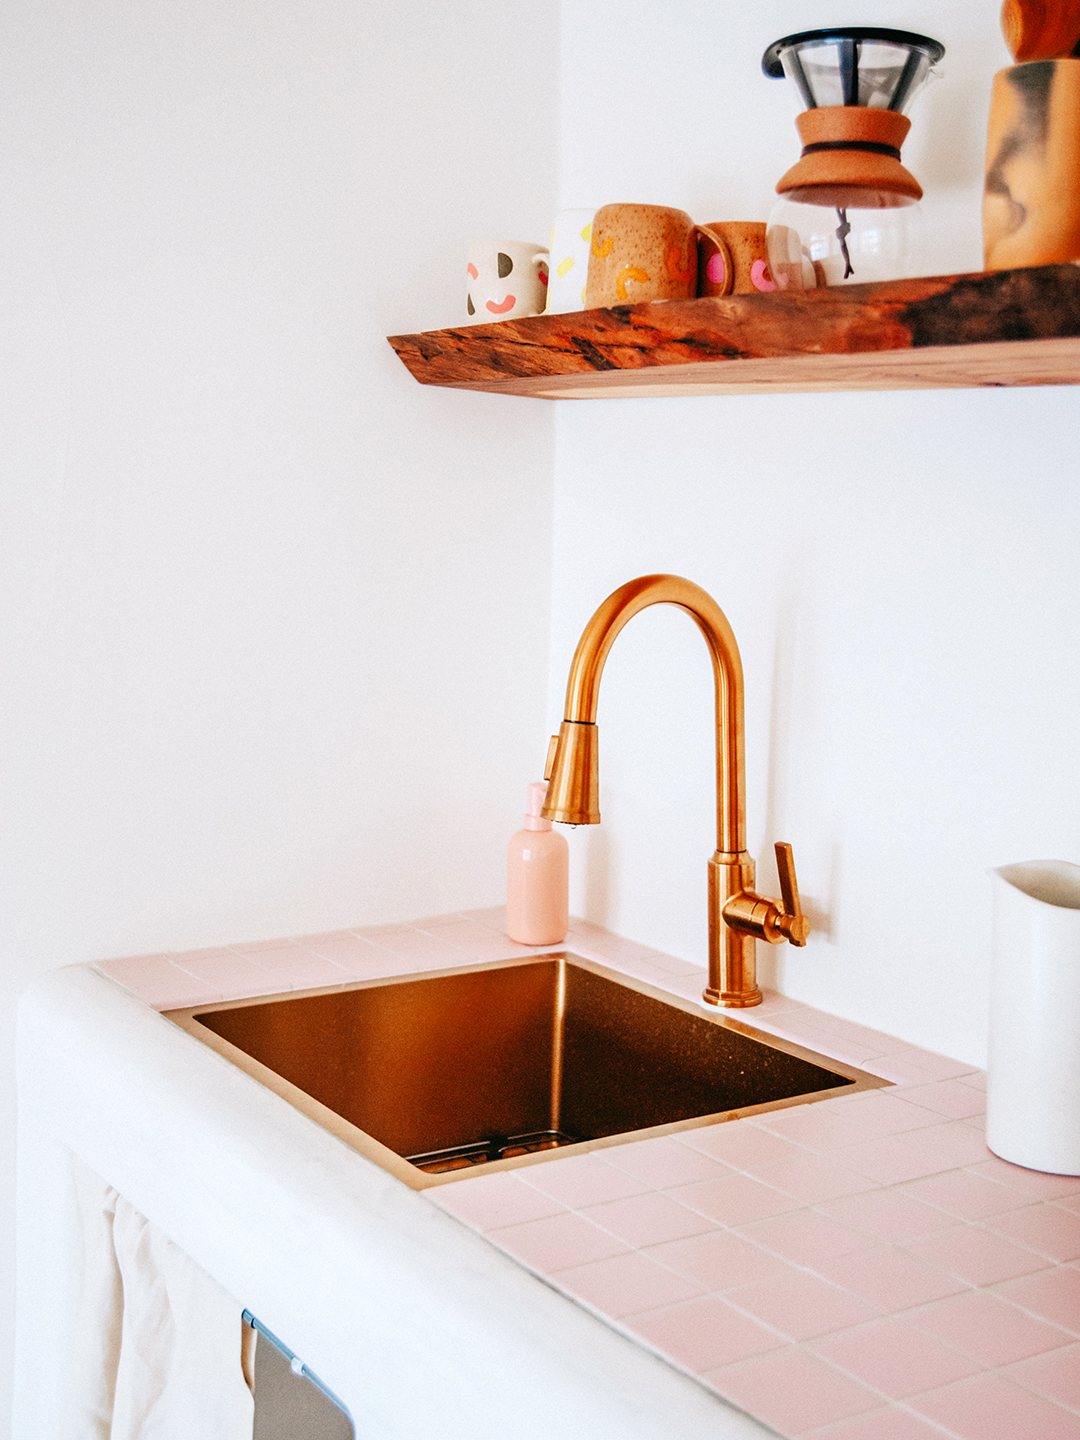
pixel 1005 327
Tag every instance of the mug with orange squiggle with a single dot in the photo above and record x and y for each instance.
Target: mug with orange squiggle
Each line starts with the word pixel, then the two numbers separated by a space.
pixel 645 252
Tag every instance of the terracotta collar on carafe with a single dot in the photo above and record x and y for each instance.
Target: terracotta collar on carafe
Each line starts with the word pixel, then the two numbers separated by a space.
pixel 851 146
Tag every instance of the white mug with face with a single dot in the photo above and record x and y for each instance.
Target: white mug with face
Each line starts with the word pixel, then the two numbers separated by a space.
pixel 570 239
pixel 507 279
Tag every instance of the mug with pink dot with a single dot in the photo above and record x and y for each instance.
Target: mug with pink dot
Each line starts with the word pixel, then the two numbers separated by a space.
pixel 743 269
pixel 507 279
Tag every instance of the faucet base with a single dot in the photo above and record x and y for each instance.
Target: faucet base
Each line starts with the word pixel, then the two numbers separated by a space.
pixel 732 954
pixel 732 1000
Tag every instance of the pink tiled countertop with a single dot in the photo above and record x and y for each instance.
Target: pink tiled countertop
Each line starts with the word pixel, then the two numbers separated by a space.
pixel 862 1268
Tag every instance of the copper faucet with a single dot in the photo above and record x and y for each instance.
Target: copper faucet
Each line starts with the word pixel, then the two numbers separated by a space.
pixel 737 915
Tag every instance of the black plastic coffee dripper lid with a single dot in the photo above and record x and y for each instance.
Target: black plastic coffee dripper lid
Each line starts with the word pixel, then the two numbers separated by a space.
pixel 884 83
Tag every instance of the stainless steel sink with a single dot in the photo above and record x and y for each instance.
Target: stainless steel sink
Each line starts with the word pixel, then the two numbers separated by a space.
pixel 489 1067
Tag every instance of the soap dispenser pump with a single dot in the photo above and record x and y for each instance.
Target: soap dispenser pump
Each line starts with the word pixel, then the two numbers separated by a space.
pixel 537 878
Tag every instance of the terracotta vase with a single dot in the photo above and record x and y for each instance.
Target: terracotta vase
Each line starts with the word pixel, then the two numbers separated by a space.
pixel 1031 200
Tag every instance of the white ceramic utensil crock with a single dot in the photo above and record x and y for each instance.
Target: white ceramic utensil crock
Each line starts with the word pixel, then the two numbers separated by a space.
pixel 1033 1089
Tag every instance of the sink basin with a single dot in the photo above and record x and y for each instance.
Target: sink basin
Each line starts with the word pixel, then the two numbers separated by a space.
pixel 488 1067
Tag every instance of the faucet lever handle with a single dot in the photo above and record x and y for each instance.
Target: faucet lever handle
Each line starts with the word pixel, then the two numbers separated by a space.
pixel 793 923
pixel 549 763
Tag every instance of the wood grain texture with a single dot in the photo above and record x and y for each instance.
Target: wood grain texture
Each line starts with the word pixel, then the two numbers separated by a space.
pixel 856 337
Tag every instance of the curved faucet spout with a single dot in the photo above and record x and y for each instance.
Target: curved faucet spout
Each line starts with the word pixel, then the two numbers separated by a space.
pixel 737 916
pixel 575 803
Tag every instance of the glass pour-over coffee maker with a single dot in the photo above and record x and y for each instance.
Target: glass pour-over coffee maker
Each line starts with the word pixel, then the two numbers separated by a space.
pixel 848 209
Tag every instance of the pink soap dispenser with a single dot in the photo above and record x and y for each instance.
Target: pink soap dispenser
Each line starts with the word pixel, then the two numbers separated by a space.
pixel 537 878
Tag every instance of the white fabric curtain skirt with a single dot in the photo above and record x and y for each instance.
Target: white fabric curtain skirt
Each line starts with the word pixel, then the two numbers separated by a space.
pixel 162 1353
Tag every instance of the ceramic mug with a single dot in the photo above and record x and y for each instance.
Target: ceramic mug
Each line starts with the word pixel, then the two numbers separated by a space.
pixel 745 268
pixel 645 252
pixel 507 279
pixel 571 236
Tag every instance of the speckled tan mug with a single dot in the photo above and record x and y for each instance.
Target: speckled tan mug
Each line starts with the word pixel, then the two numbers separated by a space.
pixel 645 252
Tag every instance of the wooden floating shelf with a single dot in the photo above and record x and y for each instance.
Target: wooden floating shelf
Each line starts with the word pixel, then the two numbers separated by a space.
pixel 1004 327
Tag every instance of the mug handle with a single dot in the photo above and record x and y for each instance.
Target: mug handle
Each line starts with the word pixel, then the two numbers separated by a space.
pixel 725 254
pixel 543 257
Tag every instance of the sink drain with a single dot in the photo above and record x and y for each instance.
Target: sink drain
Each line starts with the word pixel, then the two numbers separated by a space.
pixel 495 1147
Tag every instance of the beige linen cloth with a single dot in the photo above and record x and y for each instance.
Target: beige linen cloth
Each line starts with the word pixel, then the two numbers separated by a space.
pixel 162 1352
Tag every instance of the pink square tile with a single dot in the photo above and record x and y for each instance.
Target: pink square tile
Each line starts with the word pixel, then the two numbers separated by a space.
pixel 1069 1202
pixel 812 1178
pixel 664 1162
pixel 896 1158
pixel 717 1260
pixel 1047 1229
pixel 385 965
pixel 987 1328
pixel 689 987
pixel 258 947
pixel 888 1160
pixel 739 1143
pixel 793 1391
pixel 558 1242
pixel 948 1097
pixel 492 1201
pixel 976 1255
pixel 734 1199
pixel 303 971
pixel 1055 1374
pixel 231 974
pixel 805 1237
pixel 990 1407
pixel 891 1424
pixel 977 1079
pixel 964 1193
pixel 159 982
pixel 1033 1183
pixel 890 1278
pixel 704 1333
pixel 950 1144
pixel 648 1219
pixel 458 930
pixel 616 949
pixel 818 1127
pixel 669 965
pixel 799 1304
pixel 802 1026
pixel 875 1040
pixel 895 1359
pixel 359 957
pixel 773 1003
pixel 885 1112
pixel 918 1066
pixel 625 1285
pixel 582 1180
pixel 885 1215
pixel 642 970
pixel 404 941
pixel 1053 1295
pixel 493 916
pixel 477 942
pixel 803 1031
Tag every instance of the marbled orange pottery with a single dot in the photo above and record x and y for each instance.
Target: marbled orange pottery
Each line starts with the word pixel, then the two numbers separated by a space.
pixel 1031 200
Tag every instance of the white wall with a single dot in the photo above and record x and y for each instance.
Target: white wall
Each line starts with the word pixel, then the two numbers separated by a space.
pixel 273 617
pixel 900 569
